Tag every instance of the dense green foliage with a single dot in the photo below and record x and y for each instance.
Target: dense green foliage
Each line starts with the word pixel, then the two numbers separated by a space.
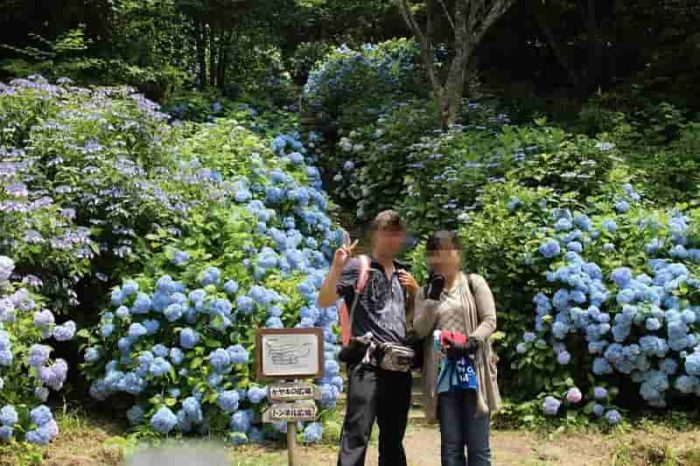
pixel 213 228
pixel 205 214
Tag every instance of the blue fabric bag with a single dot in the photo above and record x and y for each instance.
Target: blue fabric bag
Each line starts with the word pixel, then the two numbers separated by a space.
pixel 466 375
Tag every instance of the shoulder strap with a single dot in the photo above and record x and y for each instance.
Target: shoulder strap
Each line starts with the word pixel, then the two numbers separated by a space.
pixel 360 285
pixel 364 273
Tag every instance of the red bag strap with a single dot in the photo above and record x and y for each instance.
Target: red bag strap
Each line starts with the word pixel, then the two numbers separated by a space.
pixel 364 273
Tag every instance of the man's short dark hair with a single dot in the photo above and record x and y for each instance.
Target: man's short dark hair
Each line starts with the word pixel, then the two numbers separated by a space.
pixel 387 220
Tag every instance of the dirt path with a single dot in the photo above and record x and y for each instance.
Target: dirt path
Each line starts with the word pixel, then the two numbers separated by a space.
pixel 90 444
pixel 521 448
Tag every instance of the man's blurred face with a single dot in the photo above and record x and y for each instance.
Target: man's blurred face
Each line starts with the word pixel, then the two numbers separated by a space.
pixel 389 242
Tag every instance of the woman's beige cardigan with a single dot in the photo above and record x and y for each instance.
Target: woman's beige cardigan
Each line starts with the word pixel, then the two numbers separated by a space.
pixel 479 308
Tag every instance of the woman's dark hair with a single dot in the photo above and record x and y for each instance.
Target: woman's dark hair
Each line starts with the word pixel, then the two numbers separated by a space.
pixel 443 239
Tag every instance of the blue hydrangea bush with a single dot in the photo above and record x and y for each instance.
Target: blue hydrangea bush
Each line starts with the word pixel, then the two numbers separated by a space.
pixel 448 171
pixel 29 370
pixel 85 173
pixel 176 344
pixel 351 86
pixel 615 287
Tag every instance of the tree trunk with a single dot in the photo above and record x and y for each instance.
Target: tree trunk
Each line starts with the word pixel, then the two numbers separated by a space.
pixel 557 49
pixel 223 47
pixel 201 54
pixel 470 21
pixel 454 85
pixel 213 55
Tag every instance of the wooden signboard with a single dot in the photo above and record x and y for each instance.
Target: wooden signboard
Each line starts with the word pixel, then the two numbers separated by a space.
pixel 291 412
pixel 289 353
pixel 293 392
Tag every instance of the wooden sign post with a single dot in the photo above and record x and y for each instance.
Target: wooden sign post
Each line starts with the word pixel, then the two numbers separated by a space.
pixel 288 356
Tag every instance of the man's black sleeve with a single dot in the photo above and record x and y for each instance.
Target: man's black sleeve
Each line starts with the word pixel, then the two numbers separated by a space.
pixel 348 278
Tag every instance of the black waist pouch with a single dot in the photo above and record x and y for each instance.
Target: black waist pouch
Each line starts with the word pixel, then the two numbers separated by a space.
pixel 353 352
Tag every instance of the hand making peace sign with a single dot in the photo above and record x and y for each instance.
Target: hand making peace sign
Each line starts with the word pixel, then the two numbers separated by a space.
pixel 343 254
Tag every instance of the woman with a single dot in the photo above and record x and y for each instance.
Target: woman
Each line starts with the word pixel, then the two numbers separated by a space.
pixel 458 302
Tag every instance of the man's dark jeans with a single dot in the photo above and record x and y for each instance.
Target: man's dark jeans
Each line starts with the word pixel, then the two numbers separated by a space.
pixel 384 395
pixel 460 428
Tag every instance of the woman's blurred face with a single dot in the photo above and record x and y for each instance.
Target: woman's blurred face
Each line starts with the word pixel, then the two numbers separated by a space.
pixel 446 262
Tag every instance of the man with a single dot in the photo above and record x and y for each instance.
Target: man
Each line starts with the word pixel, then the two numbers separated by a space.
pixel 375 393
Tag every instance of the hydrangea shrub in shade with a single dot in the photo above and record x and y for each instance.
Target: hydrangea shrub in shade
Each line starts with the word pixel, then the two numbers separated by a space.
pixel 28 370
pixel 178 339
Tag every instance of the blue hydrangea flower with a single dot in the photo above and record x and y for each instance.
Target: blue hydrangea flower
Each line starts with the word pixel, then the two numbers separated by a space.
pixel 188 338
pixel 151 325
pixel 38 355
pixel 159 367
pixel 8 416
pixel 621 276
pixel 256 394
pixel 241 421
pixel 41 415
pixel 220 360
pixel 173 312
pixel 692 364
pixel 274 322
pixel 563 224
pixel 64 332
pixel 313 433
pixel 163 420
pixel 244 304
pixel 142 304
pixel 575 246
pixel 513 203
pixel 43 434
pixel 238 354
pixel 135 414
pixel 231 287
pixel 180 258
pixel 622 207
pixel 331 368
pixel 600 393
pixel 687 384
pixel 92 355
pixel 176 356
pixel 613 417
pixel 598 410
pixel 228 400
pixel 551 405
pixel 193 410
pixel 609 225
pixel 563 358
pixel 160 350
pixel 136 330
pixel 550 248
pixel 117 297
pixel 211 276
pixel 6 433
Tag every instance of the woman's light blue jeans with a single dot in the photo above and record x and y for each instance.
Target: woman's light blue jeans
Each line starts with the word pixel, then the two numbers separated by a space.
pixel 461 428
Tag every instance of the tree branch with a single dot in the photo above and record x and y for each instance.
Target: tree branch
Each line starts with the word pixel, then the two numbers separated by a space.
pixel 554 45
pixel 498 8
pixel 426 46
pixel 447 14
